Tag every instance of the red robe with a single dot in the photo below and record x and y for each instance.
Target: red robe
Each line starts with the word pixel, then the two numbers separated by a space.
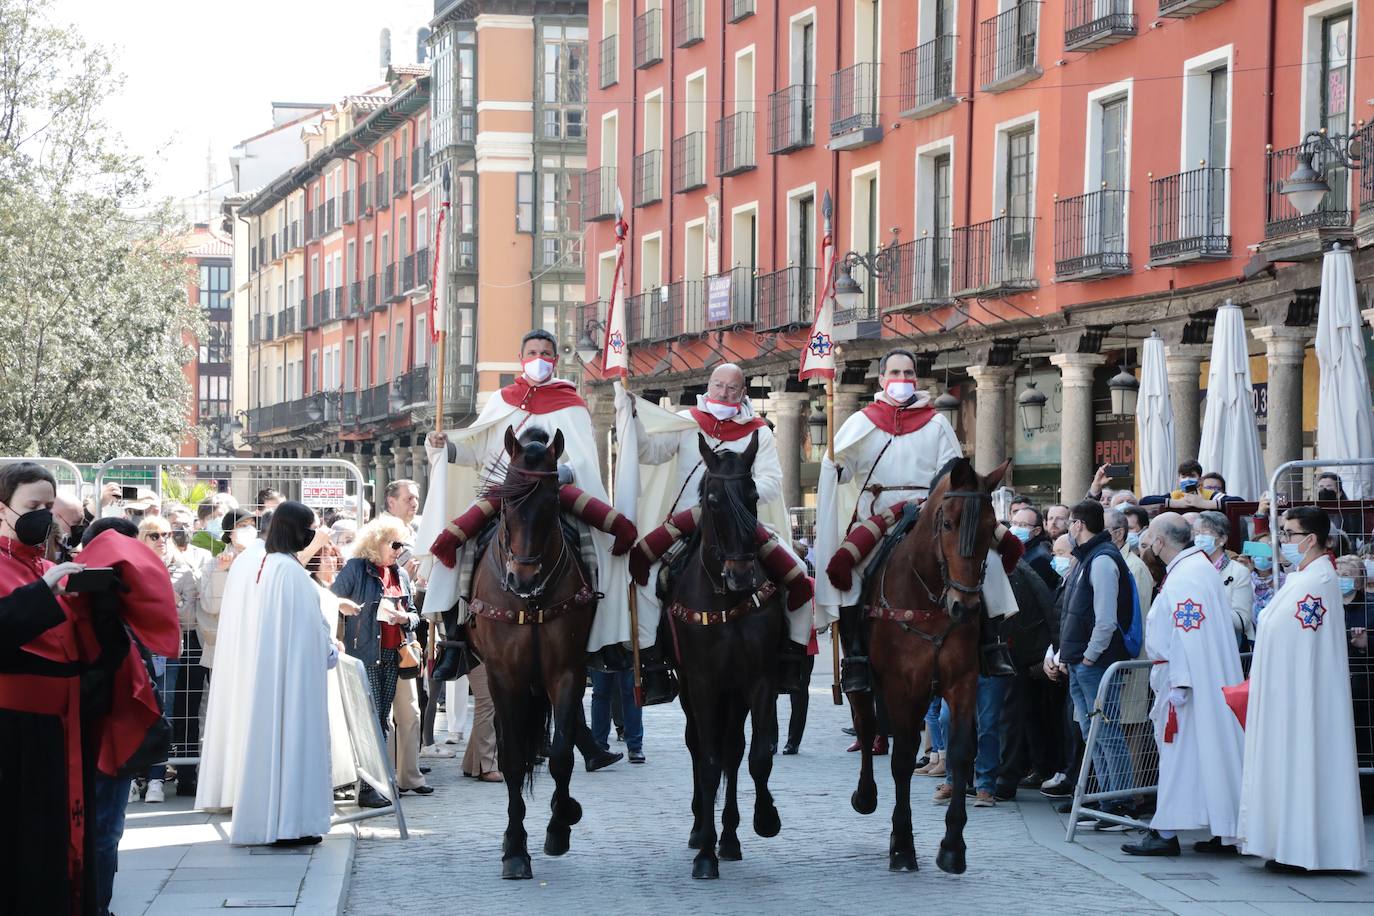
pixel 540 399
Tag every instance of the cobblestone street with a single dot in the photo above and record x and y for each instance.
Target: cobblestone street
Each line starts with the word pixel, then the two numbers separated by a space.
pixel 629 854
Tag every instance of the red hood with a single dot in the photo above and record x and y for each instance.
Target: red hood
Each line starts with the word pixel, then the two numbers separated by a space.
pixel 541 399
pixel 725 430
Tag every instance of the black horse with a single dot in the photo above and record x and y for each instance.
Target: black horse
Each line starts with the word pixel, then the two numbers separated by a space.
pixel 726 624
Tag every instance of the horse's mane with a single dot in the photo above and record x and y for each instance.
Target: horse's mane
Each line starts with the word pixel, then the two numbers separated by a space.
pixel 508 481
pixel 739 514
pixel 968 521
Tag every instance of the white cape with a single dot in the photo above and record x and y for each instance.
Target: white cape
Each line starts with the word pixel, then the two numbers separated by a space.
pixel 1190 638
pixel 454 486
pixel 658 474
pixel 342 765
pixel 285 788
pixel 1300 803
pixel 226 717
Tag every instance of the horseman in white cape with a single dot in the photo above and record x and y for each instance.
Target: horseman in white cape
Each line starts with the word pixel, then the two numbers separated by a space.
pixel 660 470
pixel 463 462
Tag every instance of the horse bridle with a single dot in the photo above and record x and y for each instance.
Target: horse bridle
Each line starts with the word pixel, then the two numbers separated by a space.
pixel 947 581
pixel 502 555
pixel 708 522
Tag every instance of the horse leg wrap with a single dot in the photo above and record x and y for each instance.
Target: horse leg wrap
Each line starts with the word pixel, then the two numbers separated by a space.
pixel 859 543
pixel 463 529
pixel 855 676
pixel 599 515
pixel 656 543
pixel 784 569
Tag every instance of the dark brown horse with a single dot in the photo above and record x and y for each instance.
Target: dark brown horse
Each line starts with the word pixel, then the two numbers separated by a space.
pixel 531 613
pixel 926 601
pixel 725 633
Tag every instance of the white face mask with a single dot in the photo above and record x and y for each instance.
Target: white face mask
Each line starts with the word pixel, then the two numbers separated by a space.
pixel 538 370
pixel 900 391
pixel 720 409
pixel 244 538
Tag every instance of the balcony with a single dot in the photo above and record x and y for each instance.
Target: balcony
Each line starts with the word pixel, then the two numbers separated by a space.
pixel 418 163
pixel 729 298
pixel 414 387
pixel 920 275
pixel 408 273
pixel 791 118
pixel 422 269
pixel 609 63
pixel 1364 227
pixel 253 260
pixel 346 208
pixel 686 307
pixel 339 309
pixel 399 185
pixel 331 215
pixel 355 297
pixel 1009 43
pixel 363 206
pixel 370 288
pixel 598 194
pixel 741 9
pixel 648 39
pixel 689 22
pixel 286 321
pixel 1188 217
pixel 1090 236
pixel 389 290
pixel 689 162
pixel 854 107
pixel 295 234
pixel 1182 9
pixel 317 311
pixel 269 328
pixel 636 316
pixel 277 252
pixel 996 257
pixel 648 184
pixel 1093 24
pixel 786 298
pixel 1290 235
pixel 379 191
pixel 928 77
pixel 735 144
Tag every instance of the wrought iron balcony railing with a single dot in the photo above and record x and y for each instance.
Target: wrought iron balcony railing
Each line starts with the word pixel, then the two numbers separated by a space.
pixel 648 39
pixel 996 256
pixel 598 194
pixel 1090 235
pixel 1091 24
pixel 689 22
pixel 1182 9
pixel 791 118
pixel 854 98
pixel 1188 216
pixel 728 298
pixel 921 274
pixel 1009 43
pixel 786 298
pixel 689 162
pixel 735 144
pixel 648 178
pixel 607 58
pixel 1282 218
pixel 928 77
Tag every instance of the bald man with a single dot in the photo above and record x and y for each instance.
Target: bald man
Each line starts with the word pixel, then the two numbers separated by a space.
pixel 726 418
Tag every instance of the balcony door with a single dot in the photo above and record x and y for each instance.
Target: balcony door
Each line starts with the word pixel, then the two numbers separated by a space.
pixel 1218 154
pixel 941 219
pixel 1110 212
pixel 1015 247
pixel 803 306
pixel 1335 102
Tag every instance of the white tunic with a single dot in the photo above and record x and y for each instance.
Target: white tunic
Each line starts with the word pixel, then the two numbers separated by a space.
pixel 1300 803
pixel 285 788
pixel 1190 638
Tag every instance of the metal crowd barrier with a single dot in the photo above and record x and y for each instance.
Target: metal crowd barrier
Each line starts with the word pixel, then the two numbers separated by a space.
pixel 68 474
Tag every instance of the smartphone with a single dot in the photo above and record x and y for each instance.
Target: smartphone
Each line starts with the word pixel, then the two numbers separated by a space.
pixel 128 492
pixel 91 579
pixel 1118 470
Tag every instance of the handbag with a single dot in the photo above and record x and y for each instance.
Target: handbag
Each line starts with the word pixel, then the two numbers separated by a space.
pixel 409 656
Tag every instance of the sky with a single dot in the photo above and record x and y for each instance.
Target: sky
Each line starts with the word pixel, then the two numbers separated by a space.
pixel 200 77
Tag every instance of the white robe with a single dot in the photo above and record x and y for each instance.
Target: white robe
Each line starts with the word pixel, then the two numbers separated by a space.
pixel 226 716
pixel 454 486
pixel 285 788
pixel 343 767
pixel 863 458
pixel 670 467
pixel 1300 803
pixel 1190 639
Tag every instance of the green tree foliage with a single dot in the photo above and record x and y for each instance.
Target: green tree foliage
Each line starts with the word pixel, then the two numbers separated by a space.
pixel 94 318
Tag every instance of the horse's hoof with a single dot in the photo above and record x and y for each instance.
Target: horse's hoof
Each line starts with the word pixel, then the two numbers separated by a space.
pixel 705 867
pixel 694 838
pixel 951 860
pixel 570 812
pixel 766 821
pixel 865 799
pixel 729 849
pixel 902 860
pixel 516 868
pixel 556 841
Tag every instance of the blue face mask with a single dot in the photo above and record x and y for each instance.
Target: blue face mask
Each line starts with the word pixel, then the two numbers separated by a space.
pixel 1206 542
pixel 1060 564
pixel 1187 483
pixel 1292 554
pixel 1022 533
pixel 1264 564
pixel 1133 540
pixel 1345 584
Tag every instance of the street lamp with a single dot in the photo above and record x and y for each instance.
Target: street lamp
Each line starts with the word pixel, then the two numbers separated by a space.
pixel 1032 405
pixel 395 400
pixel 1125 388
pixel 816 426
pixel 882 265
pixel 1306 187
pixel 587 347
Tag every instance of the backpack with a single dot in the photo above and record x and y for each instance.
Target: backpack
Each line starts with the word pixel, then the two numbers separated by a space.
pixel 1134 637
pixel 157 742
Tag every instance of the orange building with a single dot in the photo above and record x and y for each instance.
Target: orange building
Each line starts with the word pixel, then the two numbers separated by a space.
pixel 209 256
pixel 1034 187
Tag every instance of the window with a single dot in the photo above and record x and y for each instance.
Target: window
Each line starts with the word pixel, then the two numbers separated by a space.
pixel 865 230
pixel 694 251
pixel 524 202
pixel 744 237
pixel 562 102
pixel 314 370
pixel 560 219
pixel 421 341
pixel 365 363
pixel 349 360
pixel 401 237
pixel 383 375
pixel 1334 115
pixel 651 263
pixel 422 230
pixel 351 262
pixel 214 284
pixel 398 342
pixel 217 345
pixel 464 219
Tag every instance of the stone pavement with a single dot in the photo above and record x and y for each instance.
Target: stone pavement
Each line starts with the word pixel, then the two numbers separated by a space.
pixel 629 854
pixel 174 861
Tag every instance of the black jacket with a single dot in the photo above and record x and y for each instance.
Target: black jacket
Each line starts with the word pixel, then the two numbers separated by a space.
pixel 1077 618
pixel 360 581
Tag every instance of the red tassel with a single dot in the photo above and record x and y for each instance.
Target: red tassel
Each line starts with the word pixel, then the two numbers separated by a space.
pixel 1011 550
pixel 840 569
pixel 625 536
pixel 800 591
pixel 1171 726
pixel 445 549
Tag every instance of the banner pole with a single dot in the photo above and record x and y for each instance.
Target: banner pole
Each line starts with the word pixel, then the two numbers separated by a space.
pixel 836 695
pixel 439 382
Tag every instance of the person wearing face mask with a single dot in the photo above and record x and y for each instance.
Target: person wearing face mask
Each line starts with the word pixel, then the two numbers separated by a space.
pixel 1210 533
pixel 1028 526
pixel 1189 638
pixel 672 469
pixel 1191 493
pixel 885 454
pixel 1300 801
pixel 461 460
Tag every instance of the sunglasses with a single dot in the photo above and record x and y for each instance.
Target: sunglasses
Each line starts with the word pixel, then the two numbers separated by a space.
pixel 157 535
pixel 397 545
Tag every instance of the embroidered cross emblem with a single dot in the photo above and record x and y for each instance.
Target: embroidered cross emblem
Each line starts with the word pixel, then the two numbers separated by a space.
pixel 1311 612
pixel 820 345
pixel 1188 615
pixel 617 342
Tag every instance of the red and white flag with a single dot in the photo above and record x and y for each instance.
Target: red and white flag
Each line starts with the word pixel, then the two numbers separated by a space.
pixel 438 280
pixel 818 356
pixel 615 354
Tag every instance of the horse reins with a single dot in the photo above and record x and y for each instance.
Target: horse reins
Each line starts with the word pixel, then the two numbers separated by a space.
pixel 503 557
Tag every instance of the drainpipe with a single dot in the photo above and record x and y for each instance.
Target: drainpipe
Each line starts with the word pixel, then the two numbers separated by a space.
pixel 665 35
pixel 835 155
pixel 720 179
pixel 774 259
pixel 968 123
pixel 1269 74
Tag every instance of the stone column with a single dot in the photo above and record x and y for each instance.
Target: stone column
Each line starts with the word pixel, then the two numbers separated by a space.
pixel 601 405
pixel 990 430
pixel 419 468
pixel 849 399
pixel 381 471
pixel 1284 348
pixel 400 461
pixel 789 410
pixel 1076 424
pixel 1183 365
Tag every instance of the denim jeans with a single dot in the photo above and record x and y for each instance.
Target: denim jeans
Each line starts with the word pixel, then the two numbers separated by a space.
pixel 992 691
pixel 111 797
pixel 1111 759
pixel 603 686
pixel 935 725
pixel 159 770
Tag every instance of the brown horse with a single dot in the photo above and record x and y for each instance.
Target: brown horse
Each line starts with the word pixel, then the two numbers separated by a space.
pixel 532 610
pixel 726 632
pixel 925 605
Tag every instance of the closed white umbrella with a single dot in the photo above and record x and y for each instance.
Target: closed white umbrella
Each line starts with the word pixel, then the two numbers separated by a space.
pixel 1345 428
pixel 1154 421
pixel 1230 436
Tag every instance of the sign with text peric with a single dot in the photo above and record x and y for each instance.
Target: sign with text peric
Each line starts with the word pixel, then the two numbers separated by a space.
pixel 324 492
